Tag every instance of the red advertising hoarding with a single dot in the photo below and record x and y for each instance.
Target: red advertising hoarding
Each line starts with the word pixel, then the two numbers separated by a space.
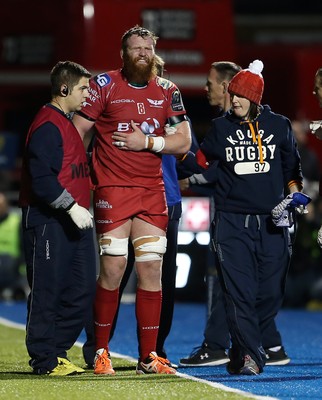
pixel 36 34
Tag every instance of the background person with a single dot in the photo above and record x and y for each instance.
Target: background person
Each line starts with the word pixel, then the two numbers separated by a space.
pixel 316 126
pixel 13 284
pixel 57 226
pixel 316 129
pixel 213 350
pixel 305 269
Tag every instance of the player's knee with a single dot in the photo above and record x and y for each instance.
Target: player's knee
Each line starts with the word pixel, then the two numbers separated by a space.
pixel 112 246
pixel 149 248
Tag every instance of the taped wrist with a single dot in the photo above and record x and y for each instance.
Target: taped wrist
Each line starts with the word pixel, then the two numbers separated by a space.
pixel 154 143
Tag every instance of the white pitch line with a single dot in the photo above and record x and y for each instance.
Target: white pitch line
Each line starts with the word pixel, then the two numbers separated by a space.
pixel 11 324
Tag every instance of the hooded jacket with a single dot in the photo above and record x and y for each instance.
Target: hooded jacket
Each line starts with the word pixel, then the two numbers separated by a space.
pixel 256 161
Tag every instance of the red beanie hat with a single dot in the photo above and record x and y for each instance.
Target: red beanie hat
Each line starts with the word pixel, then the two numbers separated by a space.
pixel 249 83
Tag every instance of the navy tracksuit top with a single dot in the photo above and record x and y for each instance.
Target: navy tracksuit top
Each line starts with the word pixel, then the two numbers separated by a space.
pixel 256 163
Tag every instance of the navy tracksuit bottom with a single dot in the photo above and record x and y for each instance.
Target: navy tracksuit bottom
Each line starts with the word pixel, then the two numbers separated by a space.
pixel 253 259
pixel 216 333
pixel 61 273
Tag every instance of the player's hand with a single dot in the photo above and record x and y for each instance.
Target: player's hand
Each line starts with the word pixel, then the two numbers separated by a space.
pixel 81 216
pixel 134 141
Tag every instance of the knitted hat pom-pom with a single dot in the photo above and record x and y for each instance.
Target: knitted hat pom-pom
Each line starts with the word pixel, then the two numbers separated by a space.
pixel 256 67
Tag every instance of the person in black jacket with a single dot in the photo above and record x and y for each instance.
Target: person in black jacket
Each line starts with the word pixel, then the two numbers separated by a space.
pixel 258 164
pixel 213 350
pixel 57 226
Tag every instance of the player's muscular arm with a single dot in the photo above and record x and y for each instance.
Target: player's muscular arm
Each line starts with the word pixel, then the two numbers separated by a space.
pixel 180 141
pixel 177 143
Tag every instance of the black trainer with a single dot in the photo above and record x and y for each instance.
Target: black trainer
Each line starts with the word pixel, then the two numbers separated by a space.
pixel 249 367
pixel 278 357
pixel 203 356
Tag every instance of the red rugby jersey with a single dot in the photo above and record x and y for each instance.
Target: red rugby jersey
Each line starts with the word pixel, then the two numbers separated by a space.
pixel 113 103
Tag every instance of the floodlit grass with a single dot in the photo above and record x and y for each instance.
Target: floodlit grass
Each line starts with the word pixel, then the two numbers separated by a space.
pixel 17 381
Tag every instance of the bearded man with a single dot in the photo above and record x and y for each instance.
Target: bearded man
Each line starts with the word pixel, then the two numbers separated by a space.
pixel 128 110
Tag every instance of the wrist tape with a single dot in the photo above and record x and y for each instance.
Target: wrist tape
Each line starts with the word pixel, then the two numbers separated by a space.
pixel 154 143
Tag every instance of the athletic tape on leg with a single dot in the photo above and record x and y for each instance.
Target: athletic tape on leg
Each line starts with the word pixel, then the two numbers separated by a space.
pixel 149 248
pixel 112 246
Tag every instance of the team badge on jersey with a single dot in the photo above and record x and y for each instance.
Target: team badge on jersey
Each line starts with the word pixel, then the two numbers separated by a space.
pixel 155 103
pixel 176 101
pixel 102 79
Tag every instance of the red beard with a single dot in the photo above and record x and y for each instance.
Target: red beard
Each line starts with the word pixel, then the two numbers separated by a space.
pixel 137 73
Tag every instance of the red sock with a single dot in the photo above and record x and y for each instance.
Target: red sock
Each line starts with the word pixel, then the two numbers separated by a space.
pixel 105 307
pixel 148 310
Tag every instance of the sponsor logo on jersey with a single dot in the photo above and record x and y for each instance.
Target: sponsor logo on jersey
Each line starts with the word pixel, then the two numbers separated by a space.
pixel 103 221
pixel 102 79
pixel 103 204
pixel 122 101
pixel 124 127
pixel 155 103
pixel 176 101
pixel 149 126
pixel 80 170
pixel 93 96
